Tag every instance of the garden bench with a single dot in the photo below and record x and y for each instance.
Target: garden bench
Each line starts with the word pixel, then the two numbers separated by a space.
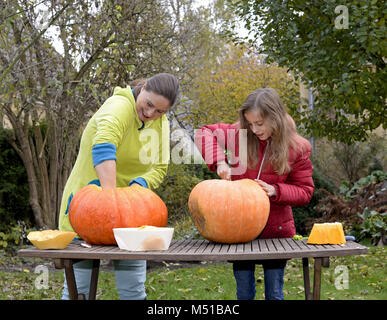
pixel 201 250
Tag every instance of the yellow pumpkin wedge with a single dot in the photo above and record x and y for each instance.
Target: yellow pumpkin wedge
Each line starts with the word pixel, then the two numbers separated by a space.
pixel 51 239
pixel 327 233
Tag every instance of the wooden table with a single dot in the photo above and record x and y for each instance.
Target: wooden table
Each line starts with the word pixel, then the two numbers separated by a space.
pixel 201 250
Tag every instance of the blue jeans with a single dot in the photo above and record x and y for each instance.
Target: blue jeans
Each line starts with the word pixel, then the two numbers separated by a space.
pixel 130 279
pixel 244 273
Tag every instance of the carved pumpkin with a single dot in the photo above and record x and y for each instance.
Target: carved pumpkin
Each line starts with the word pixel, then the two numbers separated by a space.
pixel 229 211
pixel 327 233
pixel 95 212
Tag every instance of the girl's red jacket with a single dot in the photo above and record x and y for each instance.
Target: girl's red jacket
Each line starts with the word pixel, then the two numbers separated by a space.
pixel 294 188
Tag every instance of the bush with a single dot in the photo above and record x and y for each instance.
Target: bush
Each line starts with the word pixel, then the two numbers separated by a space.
pixel 374 225
pixel 302 214
pixel 14 192
pixel 340 162
pixel 350 190
pixel 178 184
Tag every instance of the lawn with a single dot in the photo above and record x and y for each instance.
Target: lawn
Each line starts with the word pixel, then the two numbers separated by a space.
pixel 367 279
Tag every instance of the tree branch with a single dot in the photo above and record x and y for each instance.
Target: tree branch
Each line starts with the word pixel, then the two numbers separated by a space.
pixel 37 37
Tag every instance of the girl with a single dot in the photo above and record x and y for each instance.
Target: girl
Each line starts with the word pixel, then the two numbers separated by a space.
pixel 109 156
pixel 279 160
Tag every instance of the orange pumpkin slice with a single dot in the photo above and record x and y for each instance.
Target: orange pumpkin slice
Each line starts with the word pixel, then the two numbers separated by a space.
pixel 327 233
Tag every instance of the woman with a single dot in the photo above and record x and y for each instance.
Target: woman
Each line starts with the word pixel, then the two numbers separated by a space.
pixel 110 157
pixel 279 160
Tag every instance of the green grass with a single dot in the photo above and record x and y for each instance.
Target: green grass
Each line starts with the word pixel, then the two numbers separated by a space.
pixel 367 276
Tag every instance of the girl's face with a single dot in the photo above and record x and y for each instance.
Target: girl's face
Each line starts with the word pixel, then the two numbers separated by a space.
pixel 150 105
pixel 259 126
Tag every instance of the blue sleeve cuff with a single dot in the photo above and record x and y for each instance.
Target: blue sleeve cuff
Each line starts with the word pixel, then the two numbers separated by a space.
pixel 141 181
pixel 102 152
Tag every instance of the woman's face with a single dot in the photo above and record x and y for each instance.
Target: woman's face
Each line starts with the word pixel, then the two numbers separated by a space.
pixel 260 127
pixel 150 105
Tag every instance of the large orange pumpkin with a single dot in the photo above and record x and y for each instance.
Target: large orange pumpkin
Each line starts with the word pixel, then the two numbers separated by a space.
pixel 229 211
pixel 95 212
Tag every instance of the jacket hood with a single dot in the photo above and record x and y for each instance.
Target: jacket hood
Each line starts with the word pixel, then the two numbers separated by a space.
pixel 125 92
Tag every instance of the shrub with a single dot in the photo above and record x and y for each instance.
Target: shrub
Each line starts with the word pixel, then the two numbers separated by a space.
pixel 178 184
pixel 14 193
pixel 374 225
pixel 350 190
pixel 302 214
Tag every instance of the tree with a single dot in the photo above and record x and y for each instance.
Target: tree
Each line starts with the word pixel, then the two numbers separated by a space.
pixel 48 96
pixel 220 90
pixel 338 47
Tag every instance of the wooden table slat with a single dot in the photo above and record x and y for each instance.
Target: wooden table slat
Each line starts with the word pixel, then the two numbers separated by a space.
pixel 298 243
pixel 77 246
pixel 331 246
pixel 224 248
pixel 232 248
pixel 278 245
pixel 249 247
pixel 255 246
pixel 203 246
pixel 263 246
pixel 195 246
pixel 270 245
pixel 285 245
pixel 174 243
pixel 353 245
pixel 210 248
pixel 293 244
pixel 95 249
pixel 180 246
pixel 192 245
pixel 303 244
pixel 240 248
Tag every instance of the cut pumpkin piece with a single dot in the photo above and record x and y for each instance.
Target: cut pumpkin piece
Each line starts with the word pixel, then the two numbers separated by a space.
pixel 327 233
pixel 51 239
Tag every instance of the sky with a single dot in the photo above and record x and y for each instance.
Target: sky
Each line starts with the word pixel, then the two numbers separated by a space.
pixel 53 32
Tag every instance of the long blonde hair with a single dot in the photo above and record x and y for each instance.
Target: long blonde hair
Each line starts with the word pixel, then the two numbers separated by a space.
pixel 284 135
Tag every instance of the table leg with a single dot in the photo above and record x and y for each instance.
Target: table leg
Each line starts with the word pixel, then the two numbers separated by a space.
pixel 70 279
pixel 94 279
pixel 325 262
pixel 71 282
pixel 305 267
pixel 317 278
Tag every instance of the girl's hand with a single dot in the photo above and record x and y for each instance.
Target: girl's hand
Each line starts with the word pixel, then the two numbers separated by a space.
pixel 270 190
pixel 223 170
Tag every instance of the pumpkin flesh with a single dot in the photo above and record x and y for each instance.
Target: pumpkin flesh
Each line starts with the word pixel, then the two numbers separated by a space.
pixel 327 233
pixel 51 239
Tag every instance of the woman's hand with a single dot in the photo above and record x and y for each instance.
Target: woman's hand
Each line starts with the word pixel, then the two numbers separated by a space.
pixel 223 170
pixel 270 190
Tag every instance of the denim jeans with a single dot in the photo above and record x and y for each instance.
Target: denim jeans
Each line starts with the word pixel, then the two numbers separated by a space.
pixel 130 279
pixel 273 270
